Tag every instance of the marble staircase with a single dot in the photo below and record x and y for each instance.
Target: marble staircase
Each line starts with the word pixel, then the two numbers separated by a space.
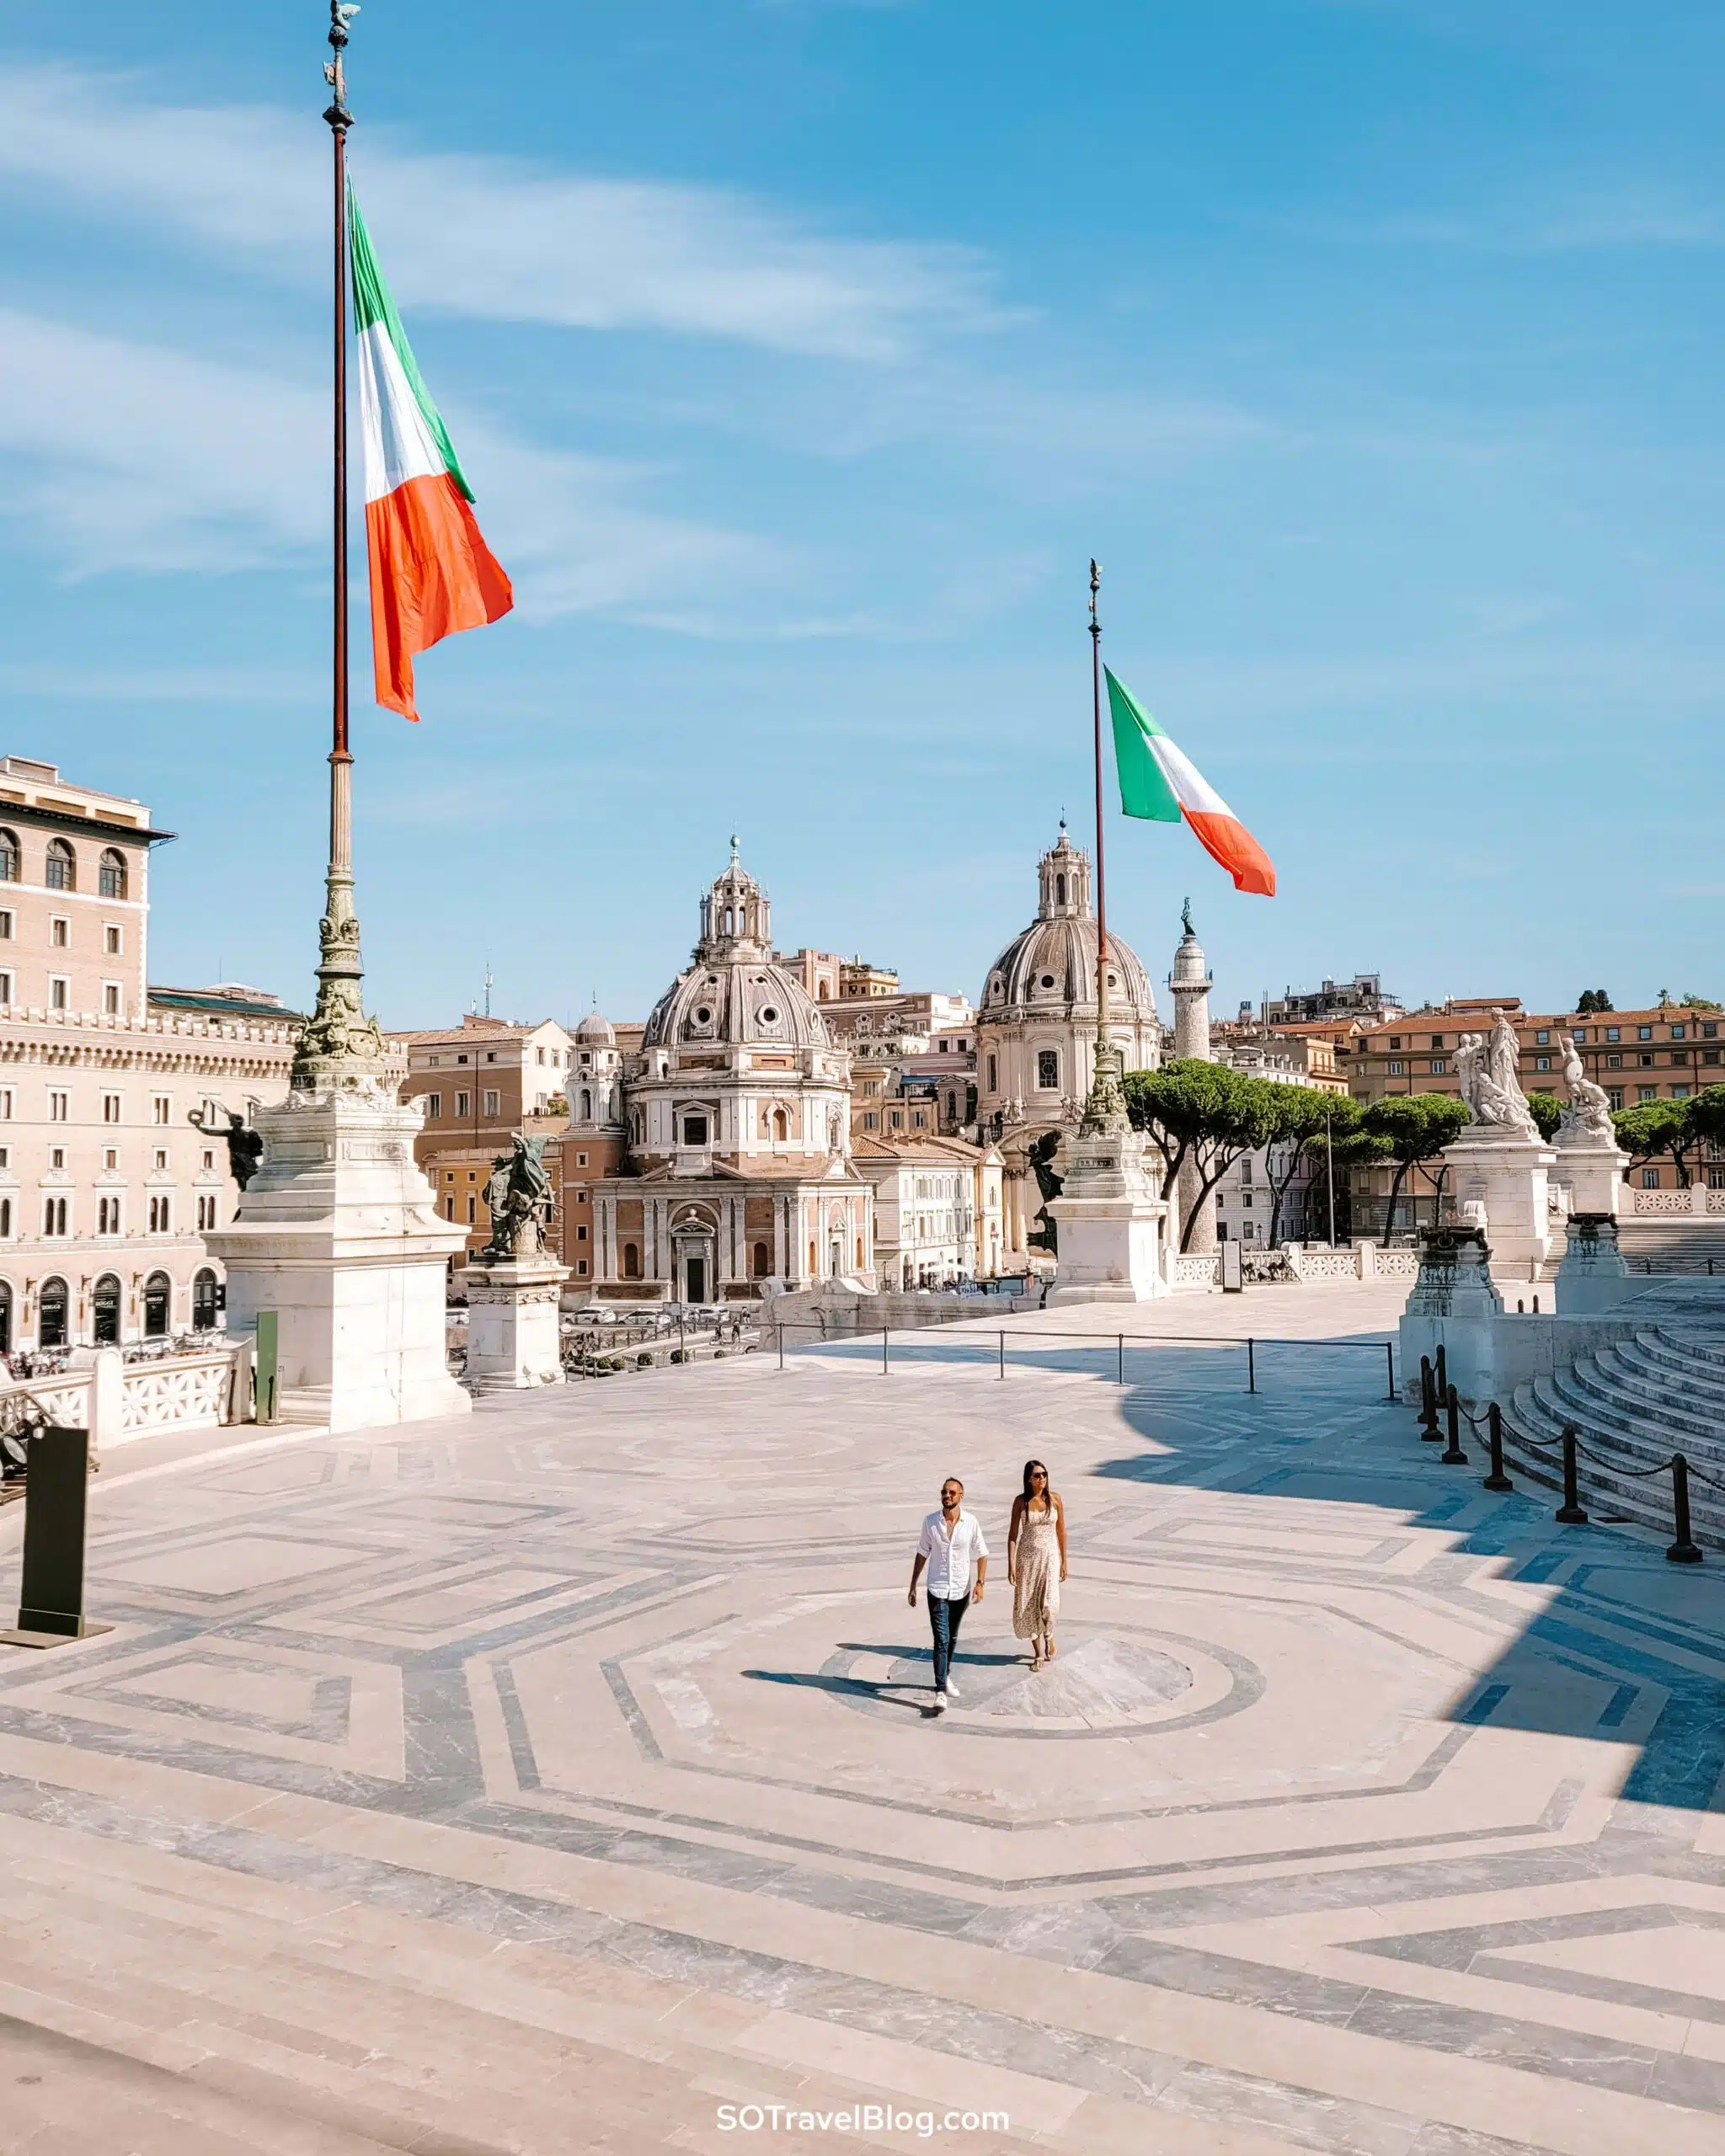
pixel 1632 1405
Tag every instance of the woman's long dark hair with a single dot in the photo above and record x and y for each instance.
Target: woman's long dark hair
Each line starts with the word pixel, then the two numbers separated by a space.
pixel 1047 1487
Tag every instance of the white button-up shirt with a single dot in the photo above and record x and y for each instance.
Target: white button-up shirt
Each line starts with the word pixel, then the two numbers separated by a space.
pixel 951 1558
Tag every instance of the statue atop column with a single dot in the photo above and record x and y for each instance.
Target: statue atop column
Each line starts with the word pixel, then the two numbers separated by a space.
pixel 518 1196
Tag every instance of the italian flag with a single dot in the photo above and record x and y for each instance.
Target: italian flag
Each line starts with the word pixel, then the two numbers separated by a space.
pixel 1159 781
pixel 431 572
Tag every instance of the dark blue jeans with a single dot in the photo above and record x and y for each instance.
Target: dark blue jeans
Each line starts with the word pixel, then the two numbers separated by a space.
pixel 944 1619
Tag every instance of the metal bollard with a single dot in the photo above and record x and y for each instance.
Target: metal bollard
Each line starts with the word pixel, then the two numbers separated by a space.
pixel 780 1329
pixel 1570 1512
pixel 885 1366
pixel 1497 1480
pixel 1003 1354
pixel 1441 1371
pixel 1452 1454
pixel 1251 1366
pixel 1682 1550
pixel 1390 1363
pixel 1119 1358
pixel 1427 1402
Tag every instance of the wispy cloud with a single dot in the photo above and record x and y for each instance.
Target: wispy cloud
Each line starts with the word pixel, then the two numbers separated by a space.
pixel 126 456
pixel 487 237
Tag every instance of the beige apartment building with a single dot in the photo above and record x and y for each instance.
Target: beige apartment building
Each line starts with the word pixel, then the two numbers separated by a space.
pixel 105 1187
pixel 478 1083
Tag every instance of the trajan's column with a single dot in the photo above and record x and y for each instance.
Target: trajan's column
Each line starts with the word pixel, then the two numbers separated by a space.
pixel 1190 983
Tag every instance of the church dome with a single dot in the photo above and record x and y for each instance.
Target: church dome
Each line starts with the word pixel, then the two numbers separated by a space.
pixel 734 996
pixel 1051 964
pixel 596 1030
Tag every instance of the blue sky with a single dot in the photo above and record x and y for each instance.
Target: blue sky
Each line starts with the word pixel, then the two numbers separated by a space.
pixel 801 354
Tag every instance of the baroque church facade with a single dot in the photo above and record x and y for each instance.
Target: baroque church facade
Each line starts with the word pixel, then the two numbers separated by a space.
pixel 1036 1028
pixel 735 1167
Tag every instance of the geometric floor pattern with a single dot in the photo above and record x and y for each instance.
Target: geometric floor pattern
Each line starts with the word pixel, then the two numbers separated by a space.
pixel 557 1778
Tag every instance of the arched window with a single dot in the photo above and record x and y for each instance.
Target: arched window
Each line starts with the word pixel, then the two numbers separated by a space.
pixel 158 1290
pixel 994 1077
pixel 10 856
pixel 781 1125
pixel 1047 1070
pixel 62 865
pixel 104 1311
pixel 50 1331
pixel 205 1299
pixel 5 1317
pixel 586 1106
pixel 763 1260
pixel 1059 890
pixel 631 1261
pixel 110 876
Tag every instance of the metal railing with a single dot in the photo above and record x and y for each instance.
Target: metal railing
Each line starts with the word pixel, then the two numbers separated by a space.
pixel 1121 1342
pixel 1437 1397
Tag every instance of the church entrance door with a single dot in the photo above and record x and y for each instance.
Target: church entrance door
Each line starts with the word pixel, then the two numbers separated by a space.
pixel 695 1279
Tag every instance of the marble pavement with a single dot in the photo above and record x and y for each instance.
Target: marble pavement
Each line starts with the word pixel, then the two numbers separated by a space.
pixel 547 1779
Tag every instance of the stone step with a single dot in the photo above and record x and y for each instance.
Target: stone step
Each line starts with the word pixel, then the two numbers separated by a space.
pixel 1583 1399
pixel 1653 1361
pixel 1605 1490
pixel 1668 1404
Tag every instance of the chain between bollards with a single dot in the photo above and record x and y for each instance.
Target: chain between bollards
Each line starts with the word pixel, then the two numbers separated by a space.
pixel 1682 1550
pixel 1453 1455
pixel 1497 1480
pixel 1570 1512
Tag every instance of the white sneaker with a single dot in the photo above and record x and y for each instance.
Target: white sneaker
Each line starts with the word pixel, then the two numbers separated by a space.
pixel 940 1703
pixel 952 1690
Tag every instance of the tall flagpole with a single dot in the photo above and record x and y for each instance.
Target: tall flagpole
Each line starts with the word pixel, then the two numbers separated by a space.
pixel 1105 1110
pixel 1102 907
pixel 338 1045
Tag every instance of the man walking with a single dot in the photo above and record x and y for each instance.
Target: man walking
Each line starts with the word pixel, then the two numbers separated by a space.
pixel 953 1548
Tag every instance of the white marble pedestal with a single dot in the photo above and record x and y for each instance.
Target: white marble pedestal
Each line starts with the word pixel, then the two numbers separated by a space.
pixel 1594 1274
pixel 1509 1176
pixel 338 1235
pixel 1593 1175
pixel 1110 1225
pixel 513 1341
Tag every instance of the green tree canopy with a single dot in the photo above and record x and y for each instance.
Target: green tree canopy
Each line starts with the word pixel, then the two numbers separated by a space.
pixel 1706 1115
pixel 1546 1111
pixel 1590 1000
pixel 1701 1002
pixel 1655 1127
pixel 1413 1128
pixel 1303 1117
pixel 1203 1112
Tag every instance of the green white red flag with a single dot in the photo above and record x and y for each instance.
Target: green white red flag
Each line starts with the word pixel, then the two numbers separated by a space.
pixel 1159 781
pixel 431 572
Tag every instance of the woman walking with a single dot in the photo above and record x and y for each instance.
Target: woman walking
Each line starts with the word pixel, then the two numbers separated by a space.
pixel 1036 1562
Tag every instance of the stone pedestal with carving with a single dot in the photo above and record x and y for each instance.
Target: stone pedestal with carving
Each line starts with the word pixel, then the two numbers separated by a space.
pixel 1454 1304
pixel 1110 1223
pixel 1593 1175
pixel 513 1342
pixel 1508 1175
pixel 1594 1274
pixel 338 1233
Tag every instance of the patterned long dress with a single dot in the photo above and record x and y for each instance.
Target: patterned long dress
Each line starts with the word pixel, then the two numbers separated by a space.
pixel 1036 1587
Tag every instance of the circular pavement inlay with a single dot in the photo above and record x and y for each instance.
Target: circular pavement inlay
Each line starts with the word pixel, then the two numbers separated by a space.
pixel 1103 1684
